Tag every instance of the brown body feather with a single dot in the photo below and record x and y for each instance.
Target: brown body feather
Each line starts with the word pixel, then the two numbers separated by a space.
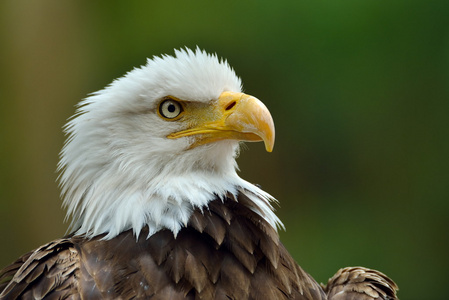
pixel 361 284
pixel 227 251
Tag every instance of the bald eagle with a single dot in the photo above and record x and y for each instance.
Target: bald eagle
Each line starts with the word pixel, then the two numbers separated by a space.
pixel 148 177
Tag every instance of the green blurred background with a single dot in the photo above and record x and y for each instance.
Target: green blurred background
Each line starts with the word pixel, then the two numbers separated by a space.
pixel 358 90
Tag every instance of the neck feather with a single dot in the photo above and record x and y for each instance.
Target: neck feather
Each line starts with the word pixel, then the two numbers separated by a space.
pixel 158 194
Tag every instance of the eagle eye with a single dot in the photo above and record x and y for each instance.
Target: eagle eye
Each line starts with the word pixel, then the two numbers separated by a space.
pixel 170 109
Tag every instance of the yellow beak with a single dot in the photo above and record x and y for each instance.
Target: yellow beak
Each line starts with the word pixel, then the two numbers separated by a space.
pixel 235 116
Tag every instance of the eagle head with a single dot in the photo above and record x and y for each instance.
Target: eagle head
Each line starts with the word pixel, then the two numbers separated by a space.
pixel 159 142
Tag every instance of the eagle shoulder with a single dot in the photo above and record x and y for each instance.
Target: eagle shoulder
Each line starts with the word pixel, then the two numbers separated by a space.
pixel 360 283
pixel 49 271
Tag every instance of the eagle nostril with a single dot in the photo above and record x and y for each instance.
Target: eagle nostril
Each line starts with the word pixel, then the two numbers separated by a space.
pixel 230 105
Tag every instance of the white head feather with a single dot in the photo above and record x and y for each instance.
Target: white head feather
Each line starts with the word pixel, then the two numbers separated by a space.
pixel 119 169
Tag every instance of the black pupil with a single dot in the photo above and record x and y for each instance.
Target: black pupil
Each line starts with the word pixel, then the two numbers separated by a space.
pixel 171 108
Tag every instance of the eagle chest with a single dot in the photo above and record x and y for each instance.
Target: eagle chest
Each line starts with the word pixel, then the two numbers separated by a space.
pixel 226 251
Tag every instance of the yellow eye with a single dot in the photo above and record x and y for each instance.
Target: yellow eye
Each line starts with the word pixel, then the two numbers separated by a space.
pixel 170 109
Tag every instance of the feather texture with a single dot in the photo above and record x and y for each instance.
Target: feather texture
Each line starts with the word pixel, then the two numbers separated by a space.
pixel 233 260
pixel 360 283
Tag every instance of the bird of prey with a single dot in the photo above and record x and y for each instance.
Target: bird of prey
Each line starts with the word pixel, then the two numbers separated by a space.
pixel 148 177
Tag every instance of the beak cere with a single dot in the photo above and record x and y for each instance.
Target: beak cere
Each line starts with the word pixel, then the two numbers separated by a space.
pixel 234 116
